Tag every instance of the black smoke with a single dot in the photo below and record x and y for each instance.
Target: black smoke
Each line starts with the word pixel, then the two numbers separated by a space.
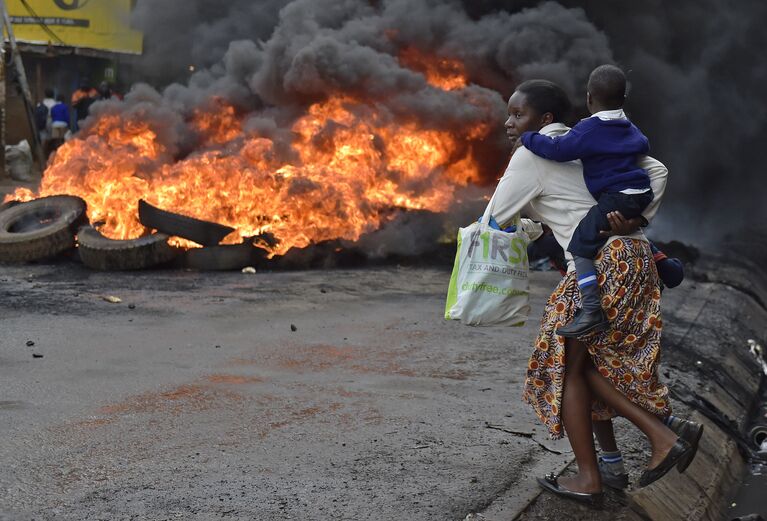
pixel 695 70
pixel 697 73
pixel 273 59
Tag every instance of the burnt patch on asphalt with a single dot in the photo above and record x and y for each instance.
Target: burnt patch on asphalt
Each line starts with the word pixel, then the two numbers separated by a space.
pixel 181 399
pixel 25 302
pixel 93 423
pixel 362 360
pixel 299 415
pixel 233 379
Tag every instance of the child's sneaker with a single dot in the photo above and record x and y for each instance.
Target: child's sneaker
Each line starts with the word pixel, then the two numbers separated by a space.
pixel 618 481
pixel 670 270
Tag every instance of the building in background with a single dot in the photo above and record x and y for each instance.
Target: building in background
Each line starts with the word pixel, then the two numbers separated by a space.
pixel 66 43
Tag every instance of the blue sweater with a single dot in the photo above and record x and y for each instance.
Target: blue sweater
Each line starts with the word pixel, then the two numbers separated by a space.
pixel 60 112
pixel 608 150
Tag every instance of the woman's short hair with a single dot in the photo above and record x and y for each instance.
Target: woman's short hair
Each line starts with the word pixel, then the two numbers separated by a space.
pixel 546 96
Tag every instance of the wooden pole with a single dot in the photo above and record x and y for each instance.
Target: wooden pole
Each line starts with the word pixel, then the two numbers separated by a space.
pixel 3 171
pixel 37 149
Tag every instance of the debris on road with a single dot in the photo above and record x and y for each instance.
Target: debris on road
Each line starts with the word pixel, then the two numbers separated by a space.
pixel 758 436
pixel 19 163
pixel 248 269
pixel 293 327
pixel 756 350
pixel 112 299
pixel 524 434
pixel 30 343
pixel 36 355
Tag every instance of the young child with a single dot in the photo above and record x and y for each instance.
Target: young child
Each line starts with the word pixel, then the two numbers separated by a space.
pixel 608 145
pixel 59 118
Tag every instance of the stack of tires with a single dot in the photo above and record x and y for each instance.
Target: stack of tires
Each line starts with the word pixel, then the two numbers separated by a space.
pixel 46 227
pixel 49 226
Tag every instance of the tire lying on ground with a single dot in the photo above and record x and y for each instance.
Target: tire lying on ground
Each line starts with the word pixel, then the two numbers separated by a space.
pixel 101 253
pixel 202 232
pixel 224 257
pixel 40 228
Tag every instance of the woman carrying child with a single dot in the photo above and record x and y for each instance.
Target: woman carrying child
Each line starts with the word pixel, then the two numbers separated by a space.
pixel 571 381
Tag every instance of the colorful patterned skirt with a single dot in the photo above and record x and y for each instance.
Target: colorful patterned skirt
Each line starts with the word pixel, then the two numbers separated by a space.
pixel 628 354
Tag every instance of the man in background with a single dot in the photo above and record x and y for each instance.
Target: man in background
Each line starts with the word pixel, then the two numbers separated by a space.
pixel 43 116
pixel 82 99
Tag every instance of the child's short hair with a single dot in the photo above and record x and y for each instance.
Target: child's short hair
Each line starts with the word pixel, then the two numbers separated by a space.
pixel 607 85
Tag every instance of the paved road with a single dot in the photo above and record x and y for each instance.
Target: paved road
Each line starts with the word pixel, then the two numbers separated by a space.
pixel 194 398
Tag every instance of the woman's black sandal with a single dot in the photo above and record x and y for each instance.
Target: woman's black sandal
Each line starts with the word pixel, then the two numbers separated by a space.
pixel 679 452
pixel 549 482
pixel 690 432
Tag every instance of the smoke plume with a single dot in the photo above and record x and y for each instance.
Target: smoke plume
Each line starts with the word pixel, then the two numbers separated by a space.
pixel 693 66
pixel 696 71
pixel 281 56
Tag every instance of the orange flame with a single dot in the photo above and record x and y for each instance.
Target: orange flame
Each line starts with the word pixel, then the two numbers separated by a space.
pixel 352 166
pixel 442 73
pixel 218 126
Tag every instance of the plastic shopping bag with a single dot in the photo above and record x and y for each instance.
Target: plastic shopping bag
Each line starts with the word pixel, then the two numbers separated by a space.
pixel 489 285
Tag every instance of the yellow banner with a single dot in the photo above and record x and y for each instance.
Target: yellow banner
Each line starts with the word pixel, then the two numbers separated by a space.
pixel 95 24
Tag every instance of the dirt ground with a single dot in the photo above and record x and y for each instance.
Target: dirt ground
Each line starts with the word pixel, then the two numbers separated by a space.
pixel 304 395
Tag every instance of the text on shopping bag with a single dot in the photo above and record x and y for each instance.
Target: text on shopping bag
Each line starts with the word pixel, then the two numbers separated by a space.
pixel 508 249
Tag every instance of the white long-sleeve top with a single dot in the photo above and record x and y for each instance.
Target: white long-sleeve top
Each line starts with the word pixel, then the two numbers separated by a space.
pixel 556 194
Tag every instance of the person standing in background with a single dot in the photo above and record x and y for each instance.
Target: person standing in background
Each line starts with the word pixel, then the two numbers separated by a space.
pixel 105 91
pixel 60 122
pixel 59 118
pixel 82 99
pixel 42 115
pixel 49 102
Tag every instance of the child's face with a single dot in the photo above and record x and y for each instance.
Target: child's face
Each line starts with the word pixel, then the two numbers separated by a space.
pixel 522 117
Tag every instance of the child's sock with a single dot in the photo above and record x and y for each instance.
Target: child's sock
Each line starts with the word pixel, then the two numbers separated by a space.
pixel 672 422
pixel 613 461
pixel 587 283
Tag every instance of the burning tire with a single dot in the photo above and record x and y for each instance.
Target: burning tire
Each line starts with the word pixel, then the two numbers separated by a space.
pixel 101 253
pixel 39 229
pixel 202 232
pixel 222 258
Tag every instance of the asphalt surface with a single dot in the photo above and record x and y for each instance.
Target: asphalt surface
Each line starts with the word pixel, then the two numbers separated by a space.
pixel 304 395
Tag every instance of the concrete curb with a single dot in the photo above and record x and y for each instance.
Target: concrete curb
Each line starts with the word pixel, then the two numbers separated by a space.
pixel 701 492
pixel 714 381
pixel 515 500
pixel 727 386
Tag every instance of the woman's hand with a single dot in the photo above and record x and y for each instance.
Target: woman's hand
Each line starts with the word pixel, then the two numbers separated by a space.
pixel 619 225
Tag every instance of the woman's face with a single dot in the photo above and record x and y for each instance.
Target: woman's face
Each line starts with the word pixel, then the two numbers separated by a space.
pixel 523 118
